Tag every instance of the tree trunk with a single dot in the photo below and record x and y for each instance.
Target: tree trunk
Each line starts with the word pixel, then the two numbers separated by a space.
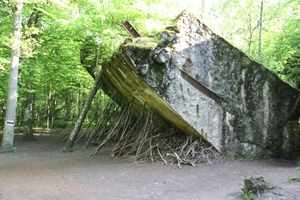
pixel 73 135
pixel 29 103
pixel 48 114
pixel 8 136
pixel 260 33
pixel 202 15
pixel 2 116
pixel 28 117
pixel 250 35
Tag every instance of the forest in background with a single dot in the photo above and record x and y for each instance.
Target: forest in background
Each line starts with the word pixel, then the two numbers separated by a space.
pixel 61 41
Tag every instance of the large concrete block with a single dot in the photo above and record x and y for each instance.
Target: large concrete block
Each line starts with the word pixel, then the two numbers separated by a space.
pixel 203 85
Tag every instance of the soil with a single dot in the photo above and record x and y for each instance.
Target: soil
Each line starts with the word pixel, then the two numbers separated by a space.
pixel 38 170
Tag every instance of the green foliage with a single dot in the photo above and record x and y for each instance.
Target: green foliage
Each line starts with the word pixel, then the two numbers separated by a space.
pixel 237 21
pixel 249 193
pixel 287 52
pixel 50 62
pixel 12 150
pixel 51 65
pixel 282 43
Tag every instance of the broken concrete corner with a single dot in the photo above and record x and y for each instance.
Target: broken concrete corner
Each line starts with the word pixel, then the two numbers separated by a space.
pixel 202 85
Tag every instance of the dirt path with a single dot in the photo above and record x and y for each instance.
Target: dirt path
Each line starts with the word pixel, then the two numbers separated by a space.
pixel 39 171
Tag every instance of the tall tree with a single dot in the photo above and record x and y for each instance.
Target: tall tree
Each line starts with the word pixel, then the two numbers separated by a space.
pixel 6 21
pixel 259 57
pixel 8 136
pixel 32 36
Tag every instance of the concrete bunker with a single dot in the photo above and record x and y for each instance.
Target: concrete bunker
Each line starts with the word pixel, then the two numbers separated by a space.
pixel 202 85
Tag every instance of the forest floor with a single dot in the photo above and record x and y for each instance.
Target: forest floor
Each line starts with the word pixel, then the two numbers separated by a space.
pixel 38 170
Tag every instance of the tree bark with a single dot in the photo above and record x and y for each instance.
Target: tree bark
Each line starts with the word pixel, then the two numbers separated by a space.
pixel 78 124
pixel 8 136
pixel 2 111
pixel 48 116
pixel 29 103
pixel 28 116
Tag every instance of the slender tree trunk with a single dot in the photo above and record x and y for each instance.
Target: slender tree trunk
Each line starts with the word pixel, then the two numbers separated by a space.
pixel 68 107
pixel 91 66
pixel 9 126
pixel 48 114
pixel 28 115
pixel 2 116
pixel 53 109
pixel 78 103
pixel 260 33
pixel 78 124
pixel 250 35
pixel 202 15
pixel 29 103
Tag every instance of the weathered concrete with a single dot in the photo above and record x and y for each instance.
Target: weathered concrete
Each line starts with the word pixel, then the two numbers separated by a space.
pixel 205 86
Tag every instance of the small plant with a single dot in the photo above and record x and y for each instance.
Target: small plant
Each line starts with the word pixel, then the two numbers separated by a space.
pixel 230 156
pixel 254 186
pixel 245 177
pixel 248 195
pixel 159 40
pixel 74 148
pixel 294 179
pixel 14 149
pixel 298 161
